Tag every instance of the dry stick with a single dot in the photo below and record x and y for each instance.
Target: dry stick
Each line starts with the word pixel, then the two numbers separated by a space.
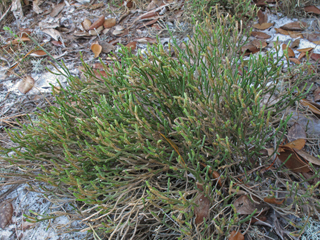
pixel 5 13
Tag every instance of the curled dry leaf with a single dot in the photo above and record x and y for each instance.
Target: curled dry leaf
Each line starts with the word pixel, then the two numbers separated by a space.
pixel 296 132
pixel 86 24
pixel 273 200
pixel 119 29
pixel 132 45
pixel 316 95
pixel 295 26
pixel 294 163
pixel 19 40
pixel 260 35
pixel 262 26
pixel 109 23
pixel 313 107
pixel 305 49
pixel 294 60
pixel 38 53
pixel 312 9
pixel 309 158
pixel 97 23
pixel 236 236
pixel 301 55
pixel 26 84
pixel 290 51
pixel 263 18
pixel 6 211
pixel 96 49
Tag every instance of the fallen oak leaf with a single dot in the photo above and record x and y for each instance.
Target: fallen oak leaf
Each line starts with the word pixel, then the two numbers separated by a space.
pixel 297 144
pixel 260 35
pixel 290 51
pixel 262 26
pixel 282 31
pixel 295 26
pixel 294 162
pixel 312 9
pixel 97 23
pixel 310 105
pixel 236 236
pixel 109 23
pixel 294 60
pixel 273 200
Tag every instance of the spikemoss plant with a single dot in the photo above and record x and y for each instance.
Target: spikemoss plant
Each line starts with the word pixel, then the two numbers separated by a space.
pixel 133 145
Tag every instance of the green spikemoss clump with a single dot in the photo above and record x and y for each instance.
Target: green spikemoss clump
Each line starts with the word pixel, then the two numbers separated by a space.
pixel 114 144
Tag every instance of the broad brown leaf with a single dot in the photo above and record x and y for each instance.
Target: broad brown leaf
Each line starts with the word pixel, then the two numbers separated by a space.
pixel 244 205
pixel 316 95
pixel 312 9
pixel 290 51
pixel 297 144
pixel 260 35
pixel 310 105
pixel 109 23
pixel 294 60
pixel 26 84
pixel 296 132
pixel 262 26
pixel 96 49
pixel 295 26
pixel 273 200
pixel 294 163
pixel 236 236
pixel 282 31
pixel 259 43
pixel 97 23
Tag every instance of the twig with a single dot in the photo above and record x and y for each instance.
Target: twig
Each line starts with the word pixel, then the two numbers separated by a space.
pixel 5 13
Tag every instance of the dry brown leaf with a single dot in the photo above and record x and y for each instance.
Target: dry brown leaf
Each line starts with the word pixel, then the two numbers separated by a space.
pixel 263 18
pixel 119 30
pixel 281 31
pixel 297 144
pixel 57 9
pixel 248 49
pixel 273 200
pixel 203 206
pixel 295 26
pixel 38 53
pixel 312 9
pixel 96 49
pixel 19 40
pixel 310 105
pixel 236 236
pixel 262 26
pixel 107 47
pixel 301 55
pixel 146 40
pixel 315 56
pixel 294 60
pixel 57 43
pixel 316 95
pixel 6 211
pixel 296 132
pixel 306 156
pixel 109 23
pixel 97 23
pixel 244 205
pixel 295 43
pixel 312 36
pixel 132 45
pixel 148 15
pixel 295 34
pixel 26 84
pixel 294 163
pixel 100 74
pixel 86 24
pixel 316 42
pixel 305 49
pixel 290 51
pixel 95 32
pixel 260 35
pixel 259 43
